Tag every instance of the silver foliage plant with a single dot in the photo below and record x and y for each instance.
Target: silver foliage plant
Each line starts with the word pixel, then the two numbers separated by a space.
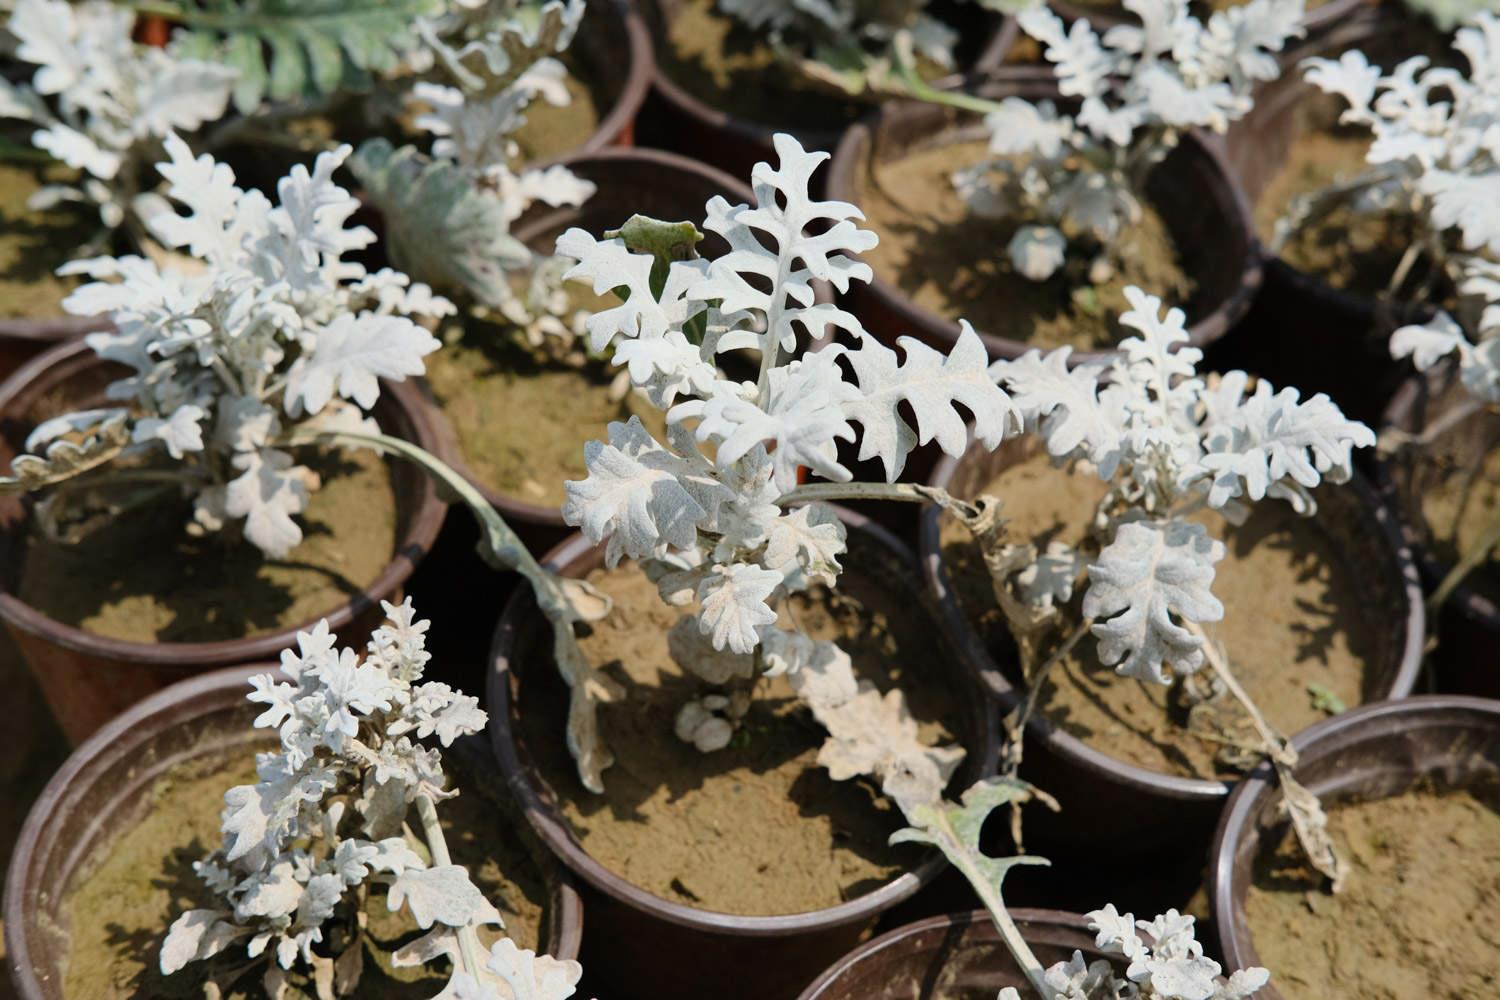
pixel 449 211
pixel 330 821
pixel 261 331
pixel 1435 157
pixel 714 513
pixel 1168 442
pixel 102 103
pixel 1078 180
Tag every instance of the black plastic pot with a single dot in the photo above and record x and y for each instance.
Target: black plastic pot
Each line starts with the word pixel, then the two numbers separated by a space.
pixel 957 954
pixel 87 678
pixel 1302 331
pixel 1193 190
pixel 647 946
pixel 1372 752
pixel 105 786
pixel 675 119
pixel 1147 811
pixel 1468 625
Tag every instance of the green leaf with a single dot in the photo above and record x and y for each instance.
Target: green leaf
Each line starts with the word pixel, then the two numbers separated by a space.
pixel 303 48
pixel 955 829
pixel 665 241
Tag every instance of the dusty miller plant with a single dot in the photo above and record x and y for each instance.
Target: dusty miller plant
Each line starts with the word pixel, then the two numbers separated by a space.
pixel 1168 442
pixel 714 513
pixel 855 46
pixel 1435 159
pixel 1076 181
pixel 1167 964
pixel 270 333
pixel 102 103
pixel 329 822
pixel 449 211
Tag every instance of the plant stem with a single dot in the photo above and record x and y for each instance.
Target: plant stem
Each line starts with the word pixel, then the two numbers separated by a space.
pixel 1470 561
pixel 432 832
pixel 990 896
pixel 904 492
pixel 1276 746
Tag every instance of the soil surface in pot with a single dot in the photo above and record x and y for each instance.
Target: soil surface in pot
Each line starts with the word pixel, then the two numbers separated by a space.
pixel 522 415
pixel 33 245
pixel 758 828
pixel 141 578
pixel 1296 623
pixel 1419 913
pixel 550 130
pixel 730 67
pixel 1354 251
pixel 118 907
pixel 953 263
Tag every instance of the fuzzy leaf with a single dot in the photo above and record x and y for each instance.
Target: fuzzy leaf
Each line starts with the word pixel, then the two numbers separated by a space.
pixel 1148 573
pixel 734 605
pixel 351 356
pixel 268 492
pixel 444 895
pixel 638 495
pixel 934 387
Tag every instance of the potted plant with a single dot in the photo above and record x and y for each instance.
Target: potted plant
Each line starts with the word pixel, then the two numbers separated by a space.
pixel 730 75
pixel 1436 439
pixel 1399 779
pixel 1055 194
pixel 103 104
pixel 198 868
pixel 174 432
pixel 1161 521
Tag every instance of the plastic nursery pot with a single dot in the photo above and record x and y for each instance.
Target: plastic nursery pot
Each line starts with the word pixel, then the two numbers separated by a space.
pixel 1373 752
pixel 959 954
pixel 608 30
pixel 1149 811
pixel 676 119
pixel 1468 625
pixel 1103 15
pixel 628 181
pixel 648 946
pixel 104 789
pixel 1303 331
pixel 1193 190
pixel 88 678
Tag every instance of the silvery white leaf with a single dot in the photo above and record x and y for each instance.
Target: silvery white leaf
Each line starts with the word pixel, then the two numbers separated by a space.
pixel 806 542
pixel 444 895
pixel 352 354
pixel 268 492
pixel 638 495
pixel 696 654
pixel 734 605
pixel 1036 252
pixel 1147 574
pixel 196 935
pixel 934 386
pixel 181 432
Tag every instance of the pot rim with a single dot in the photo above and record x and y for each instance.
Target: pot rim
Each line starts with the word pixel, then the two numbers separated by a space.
pixel 121 735
pixel 991 56
pixel 41 331
pixel 554 831
pixel 964 636
pixel 425 519
pixel 896 936
pixel 1336 733
pixel 1465 598
pixel 857 144
pixel 632 95
pixel 448 446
